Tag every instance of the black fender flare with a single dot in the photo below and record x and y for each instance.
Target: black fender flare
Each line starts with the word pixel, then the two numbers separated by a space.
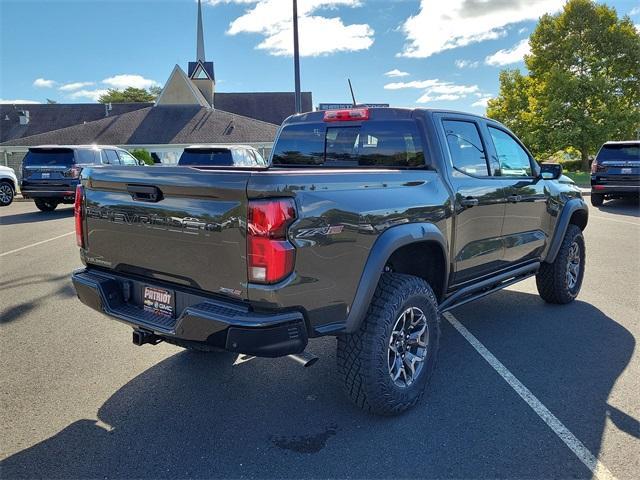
pixel 562 224
pixel 387 243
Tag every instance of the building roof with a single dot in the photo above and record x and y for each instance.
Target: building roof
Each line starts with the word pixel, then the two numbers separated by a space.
pixel 272 107
pixel 180 90
pixel 45 117
pixel 160 125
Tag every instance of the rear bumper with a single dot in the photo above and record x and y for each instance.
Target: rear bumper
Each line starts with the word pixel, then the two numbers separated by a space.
pixel 615 189
pixel 232 326
pixel 65 192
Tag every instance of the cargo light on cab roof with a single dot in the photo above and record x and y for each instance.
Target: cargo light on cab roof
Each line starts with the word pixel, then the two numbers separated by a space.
pixel 352 114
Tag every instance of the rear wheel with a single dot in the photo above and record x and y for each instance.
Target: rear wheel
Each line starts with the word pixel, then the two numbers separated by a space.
pixel 597 199
pixel 386 364
pixel 560 281
pixel 46 205
pixel 6 193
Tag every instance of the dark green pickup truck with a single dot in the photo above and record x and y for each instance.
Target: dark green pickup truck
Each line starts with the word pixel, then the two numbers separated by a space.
pixel 367 225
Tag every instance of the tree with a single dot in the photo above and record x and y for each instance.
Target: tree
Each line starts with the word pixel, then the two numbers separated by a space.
pixel 583 82
pixel 129 95
pixel 142 154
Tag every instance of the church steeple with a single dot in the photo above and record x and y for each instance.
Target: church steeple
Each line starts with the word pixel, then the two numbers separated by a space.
pixel 201 72
pixel 200 47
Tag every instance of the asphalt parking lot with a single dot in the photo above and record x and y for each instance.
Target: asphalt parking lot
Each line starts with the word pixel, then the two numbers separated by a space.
pixel 79 400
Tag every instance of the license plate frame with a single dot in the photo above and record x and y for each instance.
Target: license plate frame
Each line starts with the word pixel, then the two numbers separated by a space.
pixel 159 301
pixel 626 171
pixel 45 175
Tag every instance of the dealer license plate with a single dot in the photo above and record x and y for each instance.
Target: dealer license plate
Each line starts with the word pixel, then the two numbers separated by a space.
pixel 158 301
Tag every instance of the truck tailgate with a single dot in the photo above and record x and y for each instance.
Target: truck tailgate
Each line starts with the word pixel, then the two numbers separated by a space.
pixel 191 233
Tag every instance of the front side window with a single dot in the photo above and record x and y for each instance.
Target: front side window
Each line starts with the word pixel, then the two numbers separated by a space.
pixel 127 159
pixel 514 160
pixel 111 157
pixel 465 146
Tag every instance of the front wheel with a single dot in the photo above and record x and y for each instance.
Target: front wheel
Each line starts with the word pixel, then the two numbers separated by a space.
pixel 46 205
pixel 6 193
pixel 387 363
pixel 559 282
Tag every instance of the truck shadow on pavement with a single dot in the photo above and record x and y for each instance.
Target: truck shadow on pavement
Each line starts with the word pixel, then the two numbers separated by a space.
pixel 63 211
pixel 628 207
pixel 217 415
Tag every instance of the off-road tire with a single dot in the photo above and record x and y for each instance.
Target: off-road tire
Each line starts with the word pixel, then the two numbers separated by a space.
pixel 192 346
pixel 597 199
pixel 551 279
pixel 363 355
pixel 46 205
pixel 7 193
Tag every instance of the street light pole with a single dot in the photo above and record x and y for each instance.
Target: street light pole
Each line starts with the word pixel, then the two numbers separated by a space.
pixel 296 57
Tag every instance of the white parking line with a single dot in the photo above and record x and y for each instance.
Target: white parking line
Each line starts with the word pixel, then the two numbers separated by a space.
pixel 577 447
pixel 617 220
pixel 36 244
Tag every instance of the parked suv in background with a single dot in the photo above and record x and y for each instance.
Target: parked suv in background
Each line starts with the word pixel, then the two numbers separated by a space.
pixel 51 173
pixel 615 172
pixel 221 156
pixel 8 183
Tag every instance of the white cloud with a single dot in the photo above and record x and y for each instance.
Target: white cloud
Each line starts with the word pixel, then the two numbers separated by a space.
pixel 634 11
pixel 507 56
pixel 435 89
pixel 396 73
pixel 17 101
pixel 319 35
pixel 522 30
pixel 88 94
pixel 43 83
pixel 482 101
pixel 466 64
pixel 126 80
pixel 69 87
pixel 440 26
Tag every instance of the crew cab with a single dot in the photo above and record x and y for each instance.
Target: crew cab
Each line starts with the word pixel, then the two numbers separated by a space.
pixel 50 173
pixel 367 225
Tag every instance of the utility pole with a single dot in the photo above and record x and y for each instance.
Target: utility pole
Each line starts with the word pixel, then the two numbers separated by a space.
pixel 296 57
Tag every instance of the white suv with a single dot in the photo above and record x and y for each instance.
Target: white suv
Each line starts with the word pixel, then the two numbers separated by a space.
pixel 8 182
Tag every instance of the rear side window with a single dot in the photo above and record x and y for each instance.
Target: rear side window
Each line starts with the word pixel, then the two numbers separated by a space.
pixel 86 155
pixel 466 149
pixel 214 157
pixel 623 153
pixel 49 157
pixel 371 144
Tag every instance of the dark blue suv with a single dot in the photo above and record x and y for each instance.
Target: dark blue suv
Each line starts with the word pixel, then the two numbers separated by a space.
pixel 50 174
pixel 615 172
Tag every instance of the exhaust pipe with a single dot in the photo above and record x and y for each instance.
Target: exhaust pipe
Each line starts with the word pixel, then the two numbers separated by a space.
pixel 305 359
pixel 140 337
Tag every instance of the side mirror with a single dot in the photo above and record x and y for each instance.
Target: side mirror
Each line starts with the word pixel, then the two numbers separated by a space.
pixel 550 171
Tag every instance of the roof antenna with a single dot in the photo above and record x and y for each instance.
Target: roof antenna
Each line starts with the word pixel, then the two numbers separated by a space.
pixel 353 97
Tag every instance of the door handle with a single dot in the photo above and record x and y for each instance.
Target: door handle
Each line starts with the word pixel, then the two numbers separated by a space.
pixel 469 202
pixel 514 198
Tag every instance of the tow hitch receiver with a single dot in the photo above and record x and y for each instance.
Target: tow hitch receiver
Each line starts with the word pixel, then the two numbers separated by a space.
pixel 140 337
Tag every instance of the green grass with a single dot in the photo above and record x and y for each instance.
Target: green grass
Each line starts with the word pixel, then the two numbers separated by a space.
pixel 582 179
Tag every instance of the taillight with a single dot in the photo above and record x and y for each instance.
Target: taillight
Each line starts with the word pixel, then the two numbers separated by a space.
pixel 352 114
pixel 270 256
pixel 596 167
pixel 79 215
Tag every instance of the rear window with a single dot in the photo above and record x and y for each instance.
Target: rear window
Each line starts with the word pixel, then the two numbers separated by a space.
pixel 371 144
pixel 624 153
pixel 220 157
pixel 48 157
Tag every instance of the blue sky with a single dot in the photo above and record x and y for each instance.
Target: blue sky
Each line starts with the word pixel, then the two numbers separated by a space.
pixel 433 53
